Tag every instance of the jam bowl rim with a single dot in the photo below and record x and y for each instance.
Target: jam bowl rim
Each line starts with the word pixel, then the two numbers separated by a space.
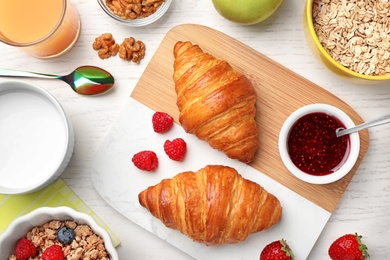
pixel 354 144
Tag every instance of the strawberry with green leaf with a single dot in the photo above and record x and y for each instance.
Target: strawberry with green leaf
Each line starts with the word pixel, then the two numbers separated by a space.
pixel 277 250
pixel 348 247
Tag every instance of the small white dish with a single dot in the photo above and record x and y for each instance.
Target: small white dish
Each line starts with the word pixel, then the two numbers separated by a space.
pixel 351 154
pixel 36 138
pixel 22 225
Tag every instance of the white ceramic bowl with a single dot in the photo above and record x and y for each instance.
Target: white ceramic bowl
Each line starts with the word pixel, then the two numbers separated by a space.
pixel 36 138
pixel 351 154
pixel 139 21
pixel 22 225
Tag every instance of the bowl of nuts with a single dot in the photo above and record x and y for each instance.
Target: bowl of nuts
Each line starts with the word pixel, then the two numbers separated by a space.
pixel 135 13
pixel 59 231
pixel 351 38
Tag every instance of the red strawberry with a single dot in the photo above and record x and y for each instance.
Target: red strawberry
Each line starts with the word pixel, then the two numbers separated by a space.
pixel 348 247
pixel 175 149
pixel 24 249
pixel 53 252
pixel 145 160
pixel 162 122
pixel 277 250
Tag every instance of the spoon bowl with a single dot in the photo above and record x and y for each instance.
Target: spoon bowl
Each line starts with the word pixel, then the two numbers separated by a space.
pixel 84 80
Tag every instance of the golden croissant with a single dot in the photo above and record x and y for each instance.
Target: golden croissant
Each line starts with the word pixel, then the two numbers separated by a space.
pixel 214 205
pixel 216 103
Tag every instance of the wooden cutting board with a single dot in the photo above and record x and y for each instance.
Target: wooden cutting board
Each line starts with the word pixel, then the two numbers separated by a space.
pixel 280 92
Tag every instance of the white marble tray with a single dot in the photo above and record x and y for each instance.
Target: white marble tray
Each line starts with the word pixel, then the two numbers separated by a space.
pixel 119 182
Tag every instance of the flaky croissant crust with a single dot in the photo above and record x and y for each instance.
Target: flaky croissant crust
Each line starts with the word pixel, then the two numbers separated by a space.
pixel 214 205
pixel 216 103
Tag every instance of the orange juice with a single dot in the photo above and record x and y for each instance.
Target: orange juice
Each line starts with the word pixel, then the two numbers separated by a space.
pixel 43 28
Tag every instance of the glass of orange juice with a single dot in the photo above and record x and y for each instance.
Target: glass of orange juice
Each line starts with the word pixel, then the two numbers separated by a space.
pixel 42 28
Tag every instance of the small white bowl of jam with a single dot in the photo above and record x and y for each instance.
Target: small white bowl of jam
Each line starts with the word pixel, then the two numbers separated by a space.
pixel 310 149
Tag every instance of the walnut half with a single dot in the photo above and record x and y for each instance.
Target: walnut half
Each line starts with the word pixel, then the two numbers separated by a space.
pixel 132 50
pixel 105 45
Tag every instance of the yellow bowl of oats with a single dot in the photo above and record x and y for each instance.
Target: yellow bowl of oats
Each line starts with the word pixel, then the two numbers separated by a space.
pixel 135 13
pixel 351 38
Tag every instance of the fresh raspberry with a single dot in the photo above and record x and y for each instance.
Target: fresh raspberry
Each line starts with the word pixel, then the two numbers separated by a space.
pixel 175 149
pixel 53 252
pixel 145 160
pixel 24 249
pixel 162 122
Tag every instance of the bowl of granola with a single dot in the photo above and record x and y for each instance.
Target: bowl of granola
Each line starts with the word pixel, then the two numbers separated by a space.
pixel 351 38
pixel 58 231
pixel 135 13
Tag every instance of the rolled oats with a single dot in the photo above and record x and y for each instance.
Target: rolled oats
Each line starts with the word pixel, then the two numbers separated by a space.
pixel 356 33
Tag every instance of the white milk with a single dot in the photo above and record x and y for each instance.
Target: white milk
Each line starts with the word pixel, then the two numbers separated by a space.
pixel 32 142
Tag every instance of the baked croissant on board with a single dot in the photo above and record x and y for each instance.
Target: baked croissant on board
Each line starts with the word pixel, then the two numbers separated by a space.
pixel 216 103
pixel 214 205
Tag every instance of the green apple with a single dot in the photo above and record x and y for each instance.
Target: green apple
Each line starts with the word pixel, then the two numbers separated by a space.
pixel 246 11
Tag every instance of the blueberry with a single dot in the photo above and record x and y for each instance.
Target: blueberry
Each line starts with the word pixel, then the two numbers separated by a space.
pixel 65 235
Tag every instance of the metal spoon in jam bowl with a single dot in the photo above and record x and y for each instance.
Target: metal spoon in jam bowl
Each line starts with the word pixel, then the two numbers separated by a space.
pixel 85 80
pixel 385 119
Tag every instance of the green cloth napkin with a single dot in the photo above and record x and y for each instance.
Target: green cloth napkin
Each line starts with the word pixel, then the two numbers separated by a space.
pixel 56 194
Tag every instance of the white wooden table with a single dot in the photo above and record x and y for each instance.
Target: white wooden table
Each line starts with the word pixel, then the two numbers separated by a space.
pixel 365 206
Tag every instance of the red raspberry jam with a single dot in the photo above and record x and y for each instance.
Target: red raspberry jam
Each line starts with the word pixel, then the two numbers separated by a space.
pixel 313 145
